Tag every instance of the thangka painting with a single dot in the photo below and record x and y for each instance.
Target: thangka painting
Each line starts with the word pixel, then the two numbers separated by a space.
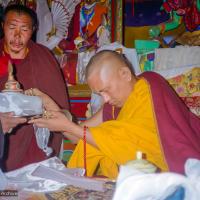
pixel 94 24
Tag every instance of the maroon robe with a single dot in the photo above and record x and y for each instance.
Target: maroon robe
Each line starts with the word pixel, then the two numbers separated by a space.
pixel 179 129
pixel 38 70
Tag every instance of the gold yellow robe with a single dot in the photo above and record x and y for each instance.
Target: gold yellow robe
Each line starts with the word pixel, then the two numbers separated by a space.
pixel 135 129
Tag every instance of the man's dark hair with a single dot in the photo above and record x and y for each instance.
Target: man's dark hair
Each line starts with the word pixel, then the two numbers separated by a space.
pixel 21 9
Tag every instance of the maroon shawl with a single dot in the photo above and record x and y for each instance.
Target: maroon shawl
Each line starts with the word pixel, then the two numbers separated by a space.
pixel 39 69
pixel 179 129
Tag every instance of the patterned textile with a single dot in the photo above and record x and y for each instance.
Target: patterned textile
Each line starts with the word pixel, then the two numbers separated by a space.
pixel 193 103
pixel 72 193
pixel 187 86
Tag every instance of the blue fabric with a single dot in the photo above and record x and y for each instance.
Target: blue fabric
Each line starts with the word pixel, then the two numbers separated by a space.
pixel 179 194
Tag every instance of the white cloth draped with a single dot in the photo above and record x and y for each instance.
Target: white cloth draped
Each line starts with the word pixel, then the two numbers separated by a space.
pixel 136 185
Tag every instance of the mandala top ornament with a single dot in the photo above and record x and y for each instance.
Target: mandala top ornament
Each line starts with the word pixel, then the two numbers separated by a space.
pixel 11 85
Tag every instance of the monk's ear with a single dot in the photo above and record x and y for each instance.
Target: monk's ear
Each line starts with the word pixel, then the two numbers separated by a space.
pixel 125 73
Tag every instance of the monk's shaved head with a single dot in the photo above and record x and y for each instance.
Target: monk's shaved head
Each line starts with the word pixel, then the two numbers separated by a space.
pixel 110 75
pixel 107 61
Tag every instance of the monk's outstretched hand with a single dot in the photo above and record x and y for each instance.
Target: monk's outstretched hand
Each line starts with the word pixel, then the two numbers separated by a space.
pixel 9 121
pixel 53 120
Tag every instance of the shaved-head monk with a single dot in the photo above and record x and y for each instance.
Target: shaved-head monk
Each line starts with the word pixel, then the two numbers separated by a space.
pixel 140 113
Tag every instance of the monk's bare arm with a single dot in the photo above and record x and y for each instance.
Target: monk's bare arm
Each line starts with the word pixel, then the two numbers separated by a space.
pixel 95 120
pixel 77 134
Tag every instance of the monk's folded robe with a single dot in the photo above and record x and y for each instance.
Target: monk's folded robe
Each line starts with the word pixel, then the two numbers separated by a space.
pixel 153 120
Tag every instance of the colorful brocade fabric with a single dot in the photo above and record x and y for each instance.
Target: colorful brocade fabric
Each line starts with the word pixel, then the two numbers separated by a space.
pixel 187 86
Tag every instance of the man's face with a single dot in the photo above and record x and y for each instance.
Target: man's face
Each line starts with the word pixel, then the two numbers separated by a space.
pixel 17 31
pixel 110 86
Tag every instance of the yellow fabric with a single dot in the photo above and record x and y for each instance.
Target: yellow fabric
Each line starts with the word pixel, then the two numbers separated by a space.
pixel 118 140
